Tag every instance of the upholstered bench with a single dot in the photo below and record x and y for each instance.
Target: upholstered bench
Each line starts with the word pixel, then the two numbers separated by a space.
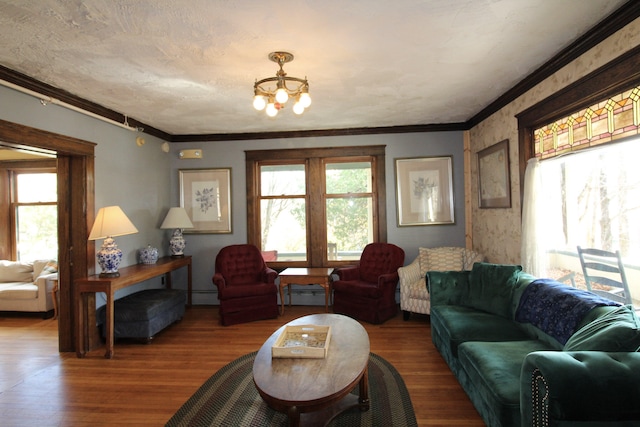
pixel 143 314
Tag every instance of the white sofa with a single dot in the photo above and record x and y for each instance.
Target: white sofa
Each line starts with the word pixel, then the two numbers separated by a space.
pixel 27 286
pixel 414 296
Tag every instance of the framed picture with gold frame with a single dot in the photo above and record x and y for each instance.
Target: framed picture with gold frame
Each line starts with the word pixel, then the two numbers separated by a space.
pixel 494 179
pixel 424 191
pixel 206 196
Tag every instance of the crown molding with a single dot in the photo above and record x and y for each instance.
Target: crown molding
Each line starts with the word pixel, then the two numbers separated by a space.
pixel 445 127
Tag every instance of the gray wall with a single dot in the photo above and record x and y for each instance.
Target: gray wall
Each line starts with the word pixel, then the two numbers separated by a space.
pixel 135 178
pixel 144 182
pixel 231 154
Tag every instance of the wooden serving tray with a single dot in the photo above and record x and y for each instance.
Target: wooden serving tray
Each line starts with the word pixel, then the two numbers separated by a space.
pixel 302 341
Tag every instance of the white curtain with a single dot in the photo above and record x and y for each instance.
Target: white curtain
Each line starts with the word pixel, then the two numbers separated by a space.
pixel 532 250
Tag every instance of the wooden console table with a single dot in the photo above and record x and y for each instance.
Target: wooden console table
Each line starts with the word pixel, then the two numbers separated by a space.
pixel 129 276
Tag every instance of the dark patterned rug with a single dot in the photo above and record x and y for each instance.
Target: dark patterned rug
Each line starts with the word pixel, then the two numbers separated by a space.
pixel 229 398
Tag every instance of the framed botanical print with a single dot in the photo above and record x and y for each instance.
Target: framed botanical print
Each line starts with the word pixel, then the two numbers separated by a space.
pixel 206 196
pixel 424 191
pixel 494 180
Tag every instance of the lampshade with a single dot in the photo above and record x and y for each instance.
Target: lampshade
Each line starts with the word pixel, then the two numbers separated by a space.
pixel 177 218
pixel 110 222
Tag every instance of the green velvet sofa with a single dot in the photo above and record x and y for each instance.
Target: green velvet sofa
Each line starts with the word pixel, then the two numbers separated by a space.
pixel 534 352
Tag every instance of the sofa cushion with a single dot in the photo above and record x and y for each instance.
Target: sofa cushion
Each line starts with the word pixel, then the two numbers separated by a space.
pixel 448 288
pixel 16 271
pixel 494 370
pixel 440 259
pixel 18 290
pixel 457 324
pixel 617 330
pixel 491 287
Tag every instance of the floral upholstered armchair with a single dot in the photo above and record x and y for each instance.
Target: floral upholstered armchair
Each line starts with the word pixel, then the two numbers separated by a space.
pixel 414 296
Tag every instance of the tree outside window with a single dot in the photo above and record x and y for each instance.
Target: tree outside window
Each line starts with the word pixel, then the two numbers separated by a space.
pixel 35 215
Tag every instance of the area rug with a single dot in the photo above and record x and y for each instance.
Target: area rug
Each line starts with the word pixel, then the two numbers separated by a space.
pixel 229 398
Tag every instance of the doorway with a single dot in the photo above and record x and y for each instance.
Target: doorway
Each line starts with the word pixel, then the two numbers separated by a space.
pixel 75 175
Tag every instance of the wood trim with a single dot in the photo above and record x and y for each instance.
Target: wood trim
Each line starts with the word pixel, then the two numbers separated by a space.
pixel 615 77
pixel 468 208
pixel 313 158
pixel 75 169
pixel 304 153
pixel 24 137
pixel 421 128
pixel 45 89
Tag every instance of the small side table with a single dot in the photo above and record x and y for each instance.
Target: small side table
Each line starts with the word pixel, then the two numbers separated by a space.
pixel 305 276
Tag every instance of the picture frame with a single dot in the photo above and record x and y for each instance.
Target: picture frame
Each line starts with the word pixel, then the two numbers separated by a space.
pixel 494 177
pixel 424 191
pixel 206 196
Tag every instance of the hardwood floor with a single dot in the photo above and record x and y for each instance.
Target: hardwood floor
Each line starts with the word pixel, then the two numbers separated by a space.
pixel 144 385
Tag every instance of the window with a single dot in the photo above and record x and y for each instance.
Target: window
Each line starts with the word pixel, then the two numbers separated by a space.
pixel 592 199
pixel 588 180
pixel 316 207
pixel 34 215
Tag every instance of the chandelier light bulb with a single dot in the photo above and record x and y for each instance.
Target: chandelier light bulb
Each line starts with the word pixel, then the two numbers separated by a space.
pixel 305 99
pixel 272 99
pixel 281 95
pixel 259 102
pixel 272 111
pixel 298 108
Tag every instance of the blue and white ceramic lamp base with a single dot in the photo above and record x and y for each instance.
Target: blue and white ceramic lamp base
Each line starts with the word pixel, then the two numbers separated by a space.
pixel 109 257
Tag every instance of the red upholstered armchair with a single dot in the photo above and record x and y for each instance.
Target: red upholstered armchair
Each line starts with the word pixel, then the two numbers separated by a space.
pixel 246 286
pixel 367 291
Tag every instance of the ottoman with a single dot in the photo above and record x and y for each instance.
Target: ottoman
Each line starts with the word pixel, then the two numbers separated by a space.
pixel 143 314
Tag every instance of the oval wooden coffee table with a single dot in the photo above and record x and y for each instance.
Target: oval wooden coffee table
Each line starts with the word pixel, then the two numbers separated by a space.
pixel 316 390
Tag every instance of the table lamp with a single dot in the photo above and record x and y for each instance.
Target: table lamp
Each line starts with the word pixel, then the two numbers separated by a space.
pixel 177 218
pixel 110 222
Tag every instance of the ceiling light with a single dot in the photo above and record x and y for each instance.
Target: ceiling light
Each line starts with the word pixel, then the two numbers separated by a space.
pixel 272 99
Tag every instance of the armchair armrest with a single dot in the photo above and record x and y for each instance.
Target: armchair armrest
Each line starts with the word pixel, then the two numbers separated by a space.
pixel 589 386
pixel 44 283
pixel 219 281
pixel 269 275
pixel 348 273
pixel 389 279
pixel 410 274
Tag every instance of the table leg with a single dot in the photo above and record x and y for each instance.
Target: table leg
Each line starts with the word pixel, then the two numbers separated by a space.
pixel 294 416
pixel 326 296
pixel 364 390
pixel 282 285
pixel 189 279
pixel 109 325
pixel 81 333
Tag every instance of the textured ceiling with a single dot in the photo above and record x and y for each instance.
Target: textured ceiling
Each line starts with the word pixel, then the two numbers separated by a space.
pixel 189 67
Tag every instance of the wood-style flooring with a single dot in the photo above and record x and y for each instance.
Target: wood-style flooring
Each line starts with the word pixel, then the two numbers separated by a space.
pixel 144 385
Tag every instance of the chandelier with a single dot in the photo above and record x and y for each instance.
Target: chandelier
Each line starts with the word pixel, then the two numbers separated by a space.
pixel 272 101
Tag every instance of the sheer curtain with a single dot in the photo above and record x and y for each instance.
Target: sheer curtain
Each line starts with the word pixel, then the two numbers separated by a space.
pixel 532 250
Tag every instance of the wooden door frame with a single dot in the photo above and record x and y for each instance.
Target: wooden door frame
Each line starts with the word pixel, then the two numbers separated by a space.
pixel 76 206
